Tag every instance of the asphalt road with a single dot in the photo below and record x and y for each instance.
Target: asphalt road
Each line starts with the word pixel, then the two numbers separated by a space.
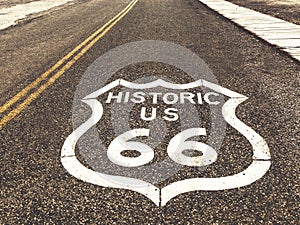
pixel 37 189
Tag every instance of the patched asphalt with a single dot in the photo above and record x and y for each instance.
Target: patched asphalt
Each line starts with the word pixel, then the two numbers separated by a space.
pixel 35 187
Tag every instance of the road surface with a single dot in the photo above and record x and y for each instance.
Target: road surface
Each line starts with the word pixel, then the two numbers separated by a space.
pixel 50 62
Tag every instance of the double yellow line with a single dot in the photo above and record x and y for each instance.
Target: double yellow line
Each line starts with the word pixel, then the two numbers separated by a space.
pixel 65 63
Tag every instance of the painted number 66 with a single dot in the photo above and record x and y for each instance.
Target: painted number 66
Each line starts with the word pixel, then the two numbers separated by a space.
pixel 178 144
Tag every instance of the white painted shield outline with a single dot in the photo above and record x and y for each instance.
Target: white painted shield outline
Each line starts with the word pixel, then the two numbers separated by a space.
pixel 261 153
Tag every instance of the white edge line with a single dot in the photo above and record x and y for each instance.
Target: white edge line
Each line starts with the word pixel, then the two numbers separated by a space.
pixel 255 171
pixel 261 150
pixel 165 84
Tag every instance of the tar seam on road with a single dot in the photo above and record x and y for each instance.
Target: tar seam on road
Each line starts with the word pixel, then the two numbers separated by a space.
pixel 69 60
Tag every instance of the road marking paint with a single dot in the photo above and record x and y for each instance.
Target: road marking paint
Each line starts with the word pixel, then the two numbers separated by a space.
pixel 35 83
pixel 256 170
pixel 92 40
pixel 10 16
pixel 273 30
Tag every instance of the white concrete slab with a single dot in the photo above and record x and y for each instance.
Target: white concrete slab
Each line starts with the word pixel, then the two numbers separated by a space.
pixel 10 16
pixel 273 30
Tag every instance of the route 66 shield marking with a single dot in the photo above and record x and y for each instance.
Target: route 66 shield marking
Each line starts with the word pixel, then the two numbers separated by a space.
pixel 260 157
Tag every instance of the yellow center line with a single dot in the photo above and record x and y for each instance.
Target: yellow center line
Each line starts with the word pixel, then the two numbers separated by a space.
pixel 97 35
pixel 36 82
